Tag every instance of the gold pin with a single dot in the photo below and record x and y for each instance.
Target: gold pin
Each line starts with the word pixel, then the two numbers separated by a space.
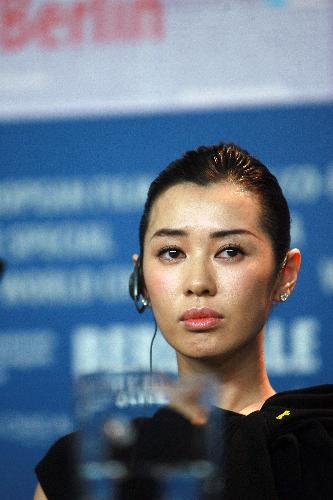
pixel 284 414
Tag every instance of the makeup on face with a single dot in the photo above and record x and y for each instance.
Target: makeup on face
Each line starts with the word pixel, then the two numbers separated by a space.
pixel 201 319
pixel 208 268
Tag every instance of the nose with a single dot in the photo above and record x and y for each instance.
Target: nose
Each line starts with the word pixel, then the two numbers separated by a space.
pixel 200 279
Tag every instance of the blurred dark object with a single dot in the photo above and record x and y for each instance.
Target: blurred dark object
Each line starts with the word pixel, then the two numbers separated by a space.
pixel 2 268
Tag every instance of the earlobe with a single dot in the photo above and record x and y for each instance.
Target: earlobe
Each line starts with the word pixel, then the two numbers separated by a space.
pixel 288 275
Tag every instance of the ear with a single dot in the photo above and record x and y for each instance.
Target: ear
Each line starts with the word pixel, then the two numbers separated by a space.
pixel 287 277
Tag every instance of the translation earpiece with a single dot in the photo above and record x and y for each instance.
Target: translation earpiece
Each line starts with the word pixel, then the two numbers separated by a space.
pixel 135 287
pixel 136 291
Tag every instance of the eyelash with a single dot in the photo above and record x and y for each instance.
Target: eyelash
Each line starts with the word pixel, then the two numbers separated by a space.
pixel 163 250
pixel 232 246
pixel 229 246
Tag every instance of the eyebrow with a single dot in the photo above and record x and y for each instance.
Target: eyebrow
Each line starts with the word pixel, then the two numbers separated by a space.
pixel 223 233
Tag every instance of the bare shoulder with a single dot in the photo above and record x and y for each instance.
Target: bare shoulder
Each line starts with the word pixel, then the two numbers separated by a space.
pixel 39 493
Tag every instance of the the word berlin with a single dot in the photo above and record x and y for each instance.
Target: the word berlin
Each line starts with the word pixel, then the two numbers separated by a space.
pixel 53 24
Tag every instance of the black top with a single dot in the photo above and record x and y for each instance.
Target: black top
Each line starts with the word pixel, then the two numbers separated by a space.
pixel 282 452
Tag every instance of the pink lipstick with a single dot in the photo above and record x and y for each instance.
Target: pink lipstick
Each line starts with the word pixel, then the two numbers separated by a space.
pixel 200 319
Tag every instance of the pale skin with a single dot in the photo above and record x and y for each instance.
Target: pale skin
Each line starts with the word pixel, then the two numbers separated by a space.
pixel 205 247
pixel 39 493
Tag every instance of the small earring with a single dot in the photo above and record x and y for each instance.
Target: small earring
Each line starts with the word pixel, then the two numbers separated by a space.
pixel 284 296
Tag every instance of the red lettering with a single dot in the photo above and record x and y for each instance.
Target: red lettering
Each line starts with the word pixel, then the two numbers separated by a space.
pixel 15 25
pixel 52 17
pixel 54 23
pixel 76 23
pixel 127 21
pixel 122 17
pixel 100 16
pixel 148 19
pixel 111 21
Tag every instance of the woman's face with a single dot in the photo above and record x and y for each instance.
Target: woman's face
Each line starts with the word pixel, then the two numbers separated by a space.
pixel 209 269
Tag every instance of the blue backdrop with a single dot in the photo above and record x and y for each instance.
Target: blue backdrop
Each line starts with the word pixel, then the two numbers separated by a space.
pixel 71 194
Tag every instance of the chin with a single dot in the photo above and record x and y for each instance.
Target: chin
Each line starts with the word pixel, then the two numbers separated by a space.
pixel 204 353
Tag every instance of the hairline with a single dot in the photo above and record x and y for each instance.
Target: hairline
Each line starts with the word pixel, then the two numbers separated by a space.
pixel 225 180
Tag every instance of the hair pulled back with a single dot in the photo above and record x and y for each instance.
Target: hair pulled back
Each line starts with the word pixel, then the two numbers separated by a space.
pixel 230 164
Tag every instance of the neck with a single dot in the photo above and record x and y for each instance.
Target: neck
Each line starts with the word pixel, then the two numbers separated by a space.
pixel 242 381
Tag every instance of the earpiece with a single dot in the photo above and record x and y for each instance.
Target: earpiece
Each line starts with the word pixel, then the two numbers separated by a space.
pixel 135 287
pixel 136 291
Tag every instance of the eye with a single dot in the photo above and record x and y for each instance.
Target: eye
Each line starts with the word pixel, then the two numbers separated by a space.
pixel 230 252
pixel 170 253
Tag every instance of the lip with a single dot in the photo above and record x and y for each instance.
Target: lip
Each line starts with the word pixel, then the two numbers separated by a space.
pixel 200 319
pixel 199 312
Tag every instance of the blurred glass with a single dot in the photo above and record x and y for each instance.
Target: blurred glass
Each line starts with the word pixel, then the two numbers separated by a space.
pixel 113 410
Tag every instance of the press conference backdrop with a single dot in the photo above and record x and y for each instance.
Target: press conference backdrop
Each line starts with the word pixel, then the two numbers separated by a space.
pixel 96 97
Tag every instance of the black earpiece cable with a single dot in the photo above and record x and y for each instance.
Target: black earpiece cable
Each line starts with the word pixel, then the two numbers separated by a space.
pixel 151 350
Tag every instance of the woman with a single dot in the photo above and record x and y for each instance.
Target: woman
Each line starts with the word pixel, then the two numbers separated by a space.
pixel 214 258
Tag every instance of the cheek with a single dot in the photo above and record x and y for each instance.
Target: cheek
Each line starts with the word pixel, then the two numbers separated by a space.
pixel 160 283
pixel 247 285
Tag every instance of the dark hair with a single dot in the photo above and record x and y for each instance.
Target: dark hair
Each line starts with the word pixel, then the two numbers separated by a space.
pixel 228 163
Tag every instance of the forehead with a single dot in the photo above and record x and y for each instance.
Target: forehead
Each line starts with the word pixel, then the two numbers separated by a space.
pixel 223 205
